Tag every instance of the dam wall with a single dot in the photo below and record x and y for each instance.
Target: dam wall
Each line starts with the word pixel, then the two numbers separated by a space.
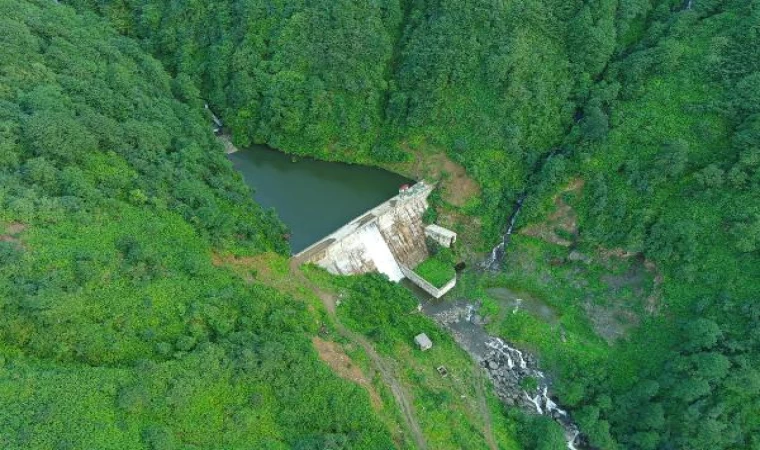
pixel 403 229
pixel 383 239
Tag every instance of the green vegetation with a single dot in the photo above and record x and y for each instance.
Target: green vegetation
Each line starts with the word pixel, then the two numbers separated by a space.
pixel 371 82
pixel 675 178
pixel 118 330
pixel 667 146
pixel 449 409
pixel 541 433
pixel 437 269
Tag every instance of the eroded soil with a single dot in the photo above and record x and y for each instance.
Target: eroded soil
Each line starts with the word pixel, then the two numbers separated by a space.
pixel 12 232
pixel 457 187
pixel 333 355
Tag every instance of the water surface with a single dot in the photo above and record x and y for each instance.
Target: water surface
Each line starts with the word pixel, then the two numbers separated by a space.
pixel 313 198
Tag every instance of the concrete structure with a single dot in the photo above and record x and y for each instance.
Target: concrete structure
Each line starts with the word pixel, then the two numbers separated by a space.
pixel 423 342
pixel 382 239
pixel 425 285
pixel 443 236
pixel 389 239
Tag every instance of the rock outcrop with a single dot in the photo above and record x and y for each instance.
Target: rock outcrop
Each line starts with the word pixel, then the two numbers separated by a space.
pixel 518 382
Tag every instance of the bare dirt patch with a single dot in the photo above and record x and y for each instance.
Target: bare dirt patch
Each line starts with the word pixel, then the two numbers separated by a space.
pixel 611 323
pixel 652 303
pixel 607 255
pixel 456 186
pixel 623 311
pixel 244 266
pixel 15 228
pixel 641 267
pixel 561 223
pixel 11 233
pixel 340 363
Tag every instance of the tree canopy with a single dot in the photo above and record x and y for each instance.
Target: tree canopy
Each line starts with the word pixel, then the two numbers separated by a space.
pixel 116 200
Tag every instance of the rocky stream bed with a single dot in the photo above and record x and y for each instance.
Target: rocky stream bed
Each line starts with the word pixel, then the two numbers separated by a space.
pixel 515 375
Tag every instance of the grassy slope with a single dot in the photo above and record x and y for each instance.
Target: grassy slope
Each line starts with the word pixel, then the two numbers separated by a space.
pixel 438 269
pixel 117 330
pixel 453 413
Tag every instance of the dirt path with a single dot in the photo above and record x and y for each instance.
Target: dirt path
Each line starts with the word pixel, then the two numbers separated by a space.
pixel 485 412
pixel 379 363
pixel 341 364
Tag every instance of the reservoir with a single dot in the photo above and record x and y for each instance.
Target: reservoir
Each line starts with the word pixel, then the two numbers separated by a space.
pixel 313 198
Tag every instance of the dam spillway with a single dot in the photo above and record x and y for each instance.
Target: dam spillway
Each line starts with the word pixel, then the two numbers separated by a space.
pixel 388 238
pixel 379 252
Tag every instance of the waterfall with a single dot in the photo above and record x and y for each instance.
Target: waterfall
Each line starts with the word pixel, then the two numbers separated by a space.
pixel 573 439
pixel 379 252
pixel 497 254
pixel 535 401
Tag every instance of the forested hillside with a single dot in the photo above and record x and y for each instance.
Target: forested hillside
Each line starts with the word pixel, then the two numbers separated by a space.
pixel 677 177
pixel 650 108
pixel 117 331
pixel 490 82
pixel 652 104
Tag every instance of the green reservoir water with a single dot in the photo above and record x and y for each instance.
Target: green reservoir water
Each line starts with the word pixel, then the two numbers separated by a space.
pixel 313 198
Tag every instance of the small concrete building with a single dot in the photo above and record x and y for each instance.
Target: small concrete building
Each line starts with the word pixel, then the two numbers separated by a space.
pixel 425 285
pixel 423 341
pixel 441 235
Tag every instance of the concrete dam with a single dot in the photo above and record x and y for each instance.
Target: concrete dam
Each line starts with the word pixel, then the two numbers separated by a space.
pixel 390 239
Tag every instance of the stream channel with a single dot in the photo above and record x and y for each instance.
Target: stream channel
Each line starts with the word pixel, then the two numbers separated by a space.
pixel 514 373
pixel 313 198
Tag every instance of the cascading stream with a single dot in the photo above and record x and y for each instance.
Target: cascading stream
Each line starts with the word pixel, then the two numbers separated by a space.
pixel 497 254
pixel 507 368
pixel 493 262
pixel 515 375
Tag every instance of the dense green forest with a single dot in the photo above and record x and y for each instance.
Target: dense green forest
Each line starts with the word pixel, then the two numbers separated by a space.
pixel 106 163
pixel 117 330
pixel 368 82
pixel 677 177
